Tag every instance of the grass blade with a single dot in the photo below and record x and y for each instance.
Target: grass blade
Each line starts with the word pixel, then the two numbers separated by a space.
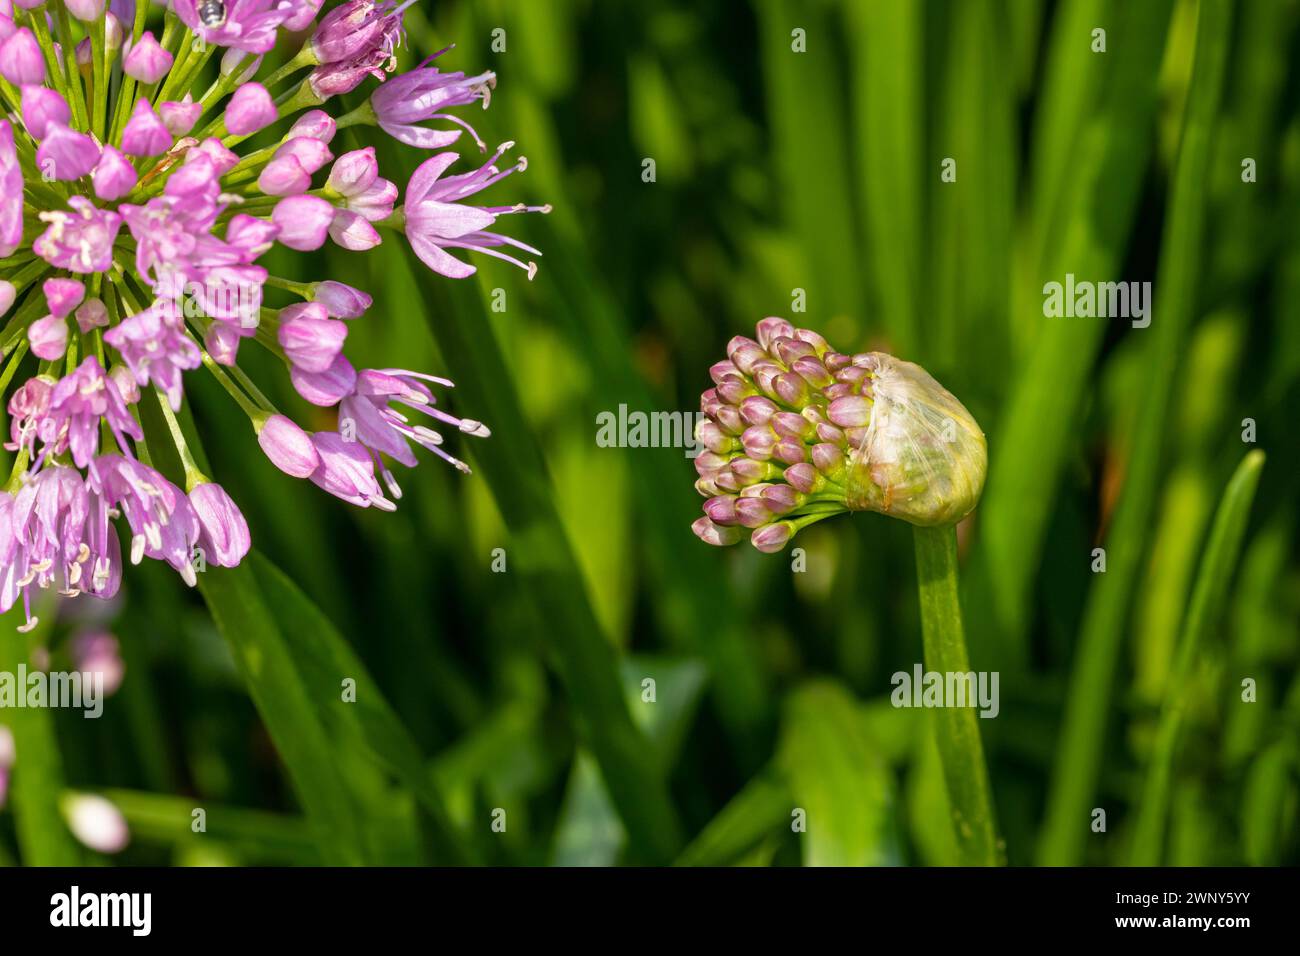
pixel 812 155
pixel 366 726
pixel 1208 596
pixel 967 337
pixel 888 77
pixel 270 672
pixel 542 557
pixel 255 834
pixel 1028 444
pixel 759 810
pixel 838 777
pixel 271 675
pixel 1079 755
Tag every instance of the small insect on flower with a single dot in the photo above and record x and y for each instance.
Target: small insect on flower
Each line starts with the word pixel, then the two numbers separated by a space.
pixel 797 432
pixel 212 13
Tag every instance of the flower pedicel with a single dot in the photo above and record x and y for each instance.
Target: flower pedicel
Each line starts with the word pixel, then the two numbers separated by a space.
pixel 126 200
pixel 797 432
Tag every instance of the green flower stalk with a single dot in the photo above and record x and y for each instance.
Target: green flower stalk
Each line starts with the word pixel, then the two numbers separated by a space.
pixel 797 432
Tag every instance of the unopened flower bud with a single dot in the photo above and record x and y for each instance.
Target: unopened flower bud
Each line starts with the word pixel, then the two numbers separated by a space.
pixel 821 432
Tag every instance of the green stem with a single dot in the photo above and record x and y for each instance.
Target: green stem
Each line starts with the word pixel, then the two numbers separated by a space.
pixel 193 475
pixel 304 58
pixel 126 92
pixel 72 74
pixel 99 73
pixel 956 728
pixel 40 28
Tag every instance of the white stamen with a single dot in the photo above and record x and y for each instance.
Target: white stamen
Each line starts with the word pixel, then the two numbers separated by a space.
pixel 426 435
pixel 394 488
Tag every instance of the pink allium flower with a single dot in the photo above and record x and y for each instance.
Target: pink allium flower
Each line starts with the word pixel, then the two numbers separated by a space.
pixel 114 176
pixel 316 124
pixel 146 60
pixel 21 61
pixel 42 106
pixel 168 228
pixel 215 152
pixel 221 340
pixel 303 15
pixel 248 25
pixel 250 109
pixel 796 432
pixel 86 10
pixel 163 523
pixel 63 295
pixel 11 193
pixel 65 154
pixel 27 408
pixel 304 222
pixel 325 388
pixel 81 241
pixel 356 40
pixel 335 79
pixel 341 301
pixel 284 176
pixel 92 314
pixel 95 821
pixel 437 221
pixel 364 198
pixel 145 133
pixel 347 471
pixel 355 178
pixel 288 447
pixel 48 337
pixel 356 28
pixel 77 405
pixel 7 756
pixel 98 652
pixel 382 428
pixel 223 533
pixel 425 94
pixel 156 349
pixel 310 339
pixel 179 118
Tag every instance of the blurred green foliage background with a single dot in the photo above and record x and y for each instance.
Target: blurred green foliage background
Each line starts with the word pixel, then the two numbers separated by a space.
pixel 777 169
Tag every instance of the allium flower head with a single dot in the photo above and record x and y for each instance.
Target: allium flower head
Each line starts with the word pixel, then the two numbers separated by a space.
pixel 797 432
pixel 136 223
